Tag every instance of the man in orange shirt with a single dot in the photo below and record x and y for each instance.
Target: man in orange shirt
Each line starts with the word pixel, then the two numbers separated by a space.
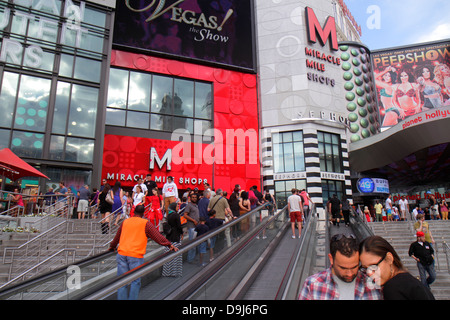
pixel 132 238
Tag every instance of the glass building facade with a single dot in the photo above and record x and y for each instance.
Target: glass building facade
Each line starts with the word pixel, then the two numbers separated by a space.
pixel 53 57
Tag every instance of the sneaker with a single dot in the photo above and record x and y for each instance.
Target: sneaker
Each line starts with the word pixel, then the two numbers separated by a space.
pixel 293 237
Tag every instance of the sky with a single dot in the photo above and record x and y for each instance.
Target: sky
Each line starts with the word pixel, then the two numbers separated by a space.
pixel 393 23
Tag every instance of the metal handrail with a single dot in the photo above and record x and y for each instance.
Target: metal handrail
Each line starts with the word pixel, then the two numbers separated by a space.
pixel 301 267
pixel 153 264
pixel 38 237
pixel 104 291
pixel 446 249
pixel 37 266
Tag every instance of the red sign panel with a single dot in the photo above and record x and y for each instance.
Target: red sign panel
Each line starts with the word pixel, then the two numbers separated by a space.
pixel 126 159
pixel 314 29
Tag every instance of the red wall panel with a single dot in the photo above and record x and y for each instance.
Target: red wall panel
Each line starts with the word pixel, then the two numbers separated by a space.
pixel 235 107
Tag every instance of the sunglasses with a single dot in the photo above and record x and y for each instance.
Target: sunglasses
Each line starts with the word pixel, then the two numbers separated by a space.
pixel 372 268
pixel 339 236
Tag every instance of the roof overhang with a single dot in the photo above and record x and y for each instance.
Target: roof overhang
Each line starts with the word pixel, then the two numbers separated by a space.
pixel 415 133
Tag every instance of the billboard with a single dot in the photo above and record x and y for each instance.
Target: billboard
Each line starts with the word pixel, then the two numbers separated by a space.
pixel 411 79
pixel 219 31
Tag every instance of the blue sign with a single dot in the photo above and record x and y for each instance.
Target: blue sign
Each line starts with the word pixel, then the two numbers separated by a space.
pixel 366 185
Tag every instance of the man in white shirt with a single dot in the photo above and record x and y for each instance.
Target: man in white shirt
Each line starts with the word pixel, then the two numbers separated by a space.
pixel 295 209
pixel 169 193
pixel 404 208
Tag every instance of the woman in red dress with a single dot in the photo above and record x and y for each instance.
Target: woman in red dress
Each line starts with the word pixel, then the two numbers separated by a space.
pixel 154 213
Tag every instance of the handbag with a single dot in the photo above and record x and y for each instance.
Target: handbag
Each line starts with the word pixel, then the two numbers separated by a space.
pixel 109 199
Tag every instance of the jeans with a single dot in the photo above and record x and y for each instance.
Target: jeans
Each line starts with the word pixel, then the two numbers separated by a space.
pixel 125 264
pixel 192 252
pixel 423 273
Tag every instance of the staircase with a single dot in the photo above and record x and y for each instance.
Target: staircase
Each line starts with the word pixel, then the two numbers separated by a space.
pixel 400 235
pixel 84 239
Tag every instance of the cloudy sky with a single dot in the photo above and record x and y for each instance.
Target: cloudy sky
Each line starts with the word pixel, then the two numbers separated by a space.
pixel 392 23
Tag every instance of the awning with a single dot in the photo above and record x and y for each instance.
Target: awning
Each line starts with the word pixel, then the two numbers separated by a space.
pixel 16 168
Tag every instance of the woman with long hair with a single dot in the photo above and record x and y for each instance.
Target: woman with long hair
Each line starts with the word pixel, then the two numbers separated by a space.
pixel 385 81
pixel 406 95
pixel 429 88
pixel 382 264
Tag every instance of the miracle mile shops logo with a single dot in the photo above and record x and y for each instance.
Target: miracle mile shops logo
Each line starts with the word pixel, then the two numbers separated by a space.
pixel 202 25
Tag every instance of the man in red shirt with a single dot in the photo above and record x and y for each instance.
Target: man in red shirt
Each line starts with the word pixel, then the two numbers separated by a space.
pixel 132 238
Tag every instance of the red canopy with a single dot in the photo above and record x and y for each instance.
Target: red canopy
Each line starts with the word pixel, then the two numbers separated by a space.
pixel 21 168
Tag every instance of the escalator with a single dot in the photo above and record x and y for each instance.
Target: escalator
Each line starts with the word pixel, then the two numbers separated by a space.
pixel 248 248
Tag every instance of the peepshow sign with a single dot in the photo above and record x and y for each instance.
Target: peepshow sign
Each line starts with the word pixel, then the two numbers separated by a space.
pixel 411 80
pixel 215 31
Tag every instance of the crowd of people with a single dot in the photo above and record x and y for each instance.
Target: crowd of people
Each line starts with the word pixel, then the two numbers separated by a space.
pixel 165 218
pixel 433 209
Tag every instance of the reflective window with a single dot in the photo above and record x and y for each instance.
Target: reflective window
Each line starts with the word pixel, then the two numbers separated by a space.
pixel 115 117
pixel 138 120
pixel 92 41
pixel 183 98
pixel 118 88
pixel 83 111
pixel 87 69
pixel 61 108
pixel 288 153
pixel 329 152
pixel 4 138
pixel 139 91
pixel 164 102
pixel 95 17
pixel 8 98
pixel 79 150
pixel 27 144
pixel 161 122
pixel 57 148
pixel 162 95
pixel 32 103
pixel 203 100
pixel 66 65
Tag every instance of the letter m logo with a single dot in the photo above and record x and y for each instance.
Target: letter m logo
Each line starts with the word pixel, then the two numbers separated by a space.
pixel 154 157
pixel 314 29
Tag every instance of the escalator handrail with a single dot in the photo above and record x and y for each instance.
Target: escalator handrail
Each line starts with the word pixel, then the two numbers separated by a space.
pixel 29 283
pixel 109 287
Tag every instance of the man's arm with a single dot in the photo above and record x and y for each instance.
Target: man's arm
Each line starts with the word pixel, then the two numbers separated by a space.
pixel 113 245
pixel 152 233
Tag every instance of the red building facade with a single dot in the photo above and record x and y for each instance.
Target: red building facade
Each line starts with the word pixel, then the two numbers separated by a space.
pixel 230 158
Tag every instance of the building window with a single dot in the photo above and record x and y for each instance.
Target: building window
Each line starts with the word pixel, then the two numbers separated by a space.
pixel 288 153
pixel 156 102
pixel 330 187
pixel 74 123
pixel 283 189
pixel 330 152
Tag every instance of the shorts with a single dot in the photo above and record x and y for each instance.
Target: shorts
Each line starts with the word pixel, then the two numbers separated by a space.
pixel 212 242
pixel 202 247
pixel 82 206
pixel 389 212
pixel 295 216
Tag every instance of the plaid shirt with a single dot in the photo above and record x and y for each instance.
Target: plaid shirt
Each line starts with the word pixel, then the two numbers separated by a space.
pixel 321 286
